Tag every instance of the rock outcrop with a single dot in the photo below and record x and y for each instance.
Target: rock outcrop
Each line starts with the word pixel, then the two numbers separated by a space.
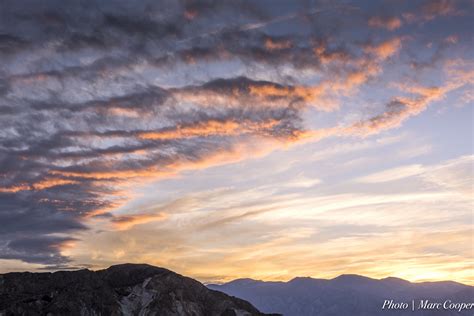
pixel 127 289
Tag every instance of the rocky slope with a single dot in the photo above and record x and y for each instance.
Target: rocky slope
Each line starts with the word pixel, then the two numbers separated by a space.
pixel 348 295
pixel 126 289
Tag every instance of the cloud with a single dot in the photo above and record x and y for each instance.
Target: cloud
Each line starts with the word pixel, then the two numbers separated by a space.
pixel 432 9
pixel 250 226
pixel 274 44
pixel 390 23
pixel 401 108
pixel 241 91
pixel 455 174
pixel 393 174
pixel 73 169
pixel 209 128
pixel 234 218
pixel 98 98
pixel 385 49
pixel 125 222
pixel 302 182
pixel 45 249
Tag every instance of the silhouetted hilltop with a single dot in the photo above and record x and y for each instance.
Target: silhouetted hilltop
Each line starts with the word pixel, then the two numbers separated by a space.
pixel 126 289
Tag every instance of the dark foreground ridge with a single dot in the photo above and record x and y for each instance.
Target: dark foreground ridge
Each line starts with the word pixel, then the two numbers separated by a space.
pixel 127 289
pixel 352 295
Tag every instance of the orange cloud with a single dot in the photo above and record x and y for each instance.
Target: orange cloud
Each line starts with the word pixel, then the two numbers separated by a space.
pixel 263 94
pixel 308 94
pixel 431 10
pixel 41 185
pixel 273 44
pixel 315 135
pixel 326 57
pixel 385 49
pixel 114 174
pixel 363 69
pixel 389 23
pixel 15 188
pixel 401 108
pixel 64 244
pixel 49 183
pixel 235 94
pixel 253 147
pixel 123 112
pixel 460 72
pixel 126 222
pixel 436 8
pixel 190 14
pixel 212 127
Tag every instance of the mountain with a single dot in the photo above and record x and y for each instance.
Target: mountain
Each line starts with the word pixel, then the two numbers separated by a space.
pixel 350 295
pixel 127 289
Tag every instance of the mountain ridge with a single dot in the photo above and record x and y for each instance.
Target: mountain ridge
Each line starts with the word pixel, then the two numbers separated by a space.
pixel 347 294
pixel 390 278
pixel 125 289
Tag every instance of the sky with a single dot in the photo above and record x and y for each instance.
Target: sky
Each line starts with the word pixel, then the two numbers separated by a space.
pixel 230 139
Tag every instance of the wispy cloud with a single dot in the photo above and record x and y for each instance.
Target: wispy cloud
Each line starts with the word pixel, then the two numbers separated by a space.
pixel 393 174
pixel 125 222
pixel 456 174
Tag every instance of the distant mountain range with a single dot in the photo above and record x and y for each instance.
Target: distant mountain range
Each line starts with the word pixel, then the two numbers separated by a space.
pixel 353 295
pixel 127 289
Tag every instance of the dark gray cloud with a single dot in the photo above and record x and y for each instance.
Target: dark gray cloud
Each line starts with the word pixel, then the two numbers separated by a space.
pixel 37 250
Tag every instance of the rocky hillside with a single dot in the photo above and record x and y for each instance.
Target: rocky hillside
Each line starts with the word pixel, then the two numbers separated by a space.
pixel 127 289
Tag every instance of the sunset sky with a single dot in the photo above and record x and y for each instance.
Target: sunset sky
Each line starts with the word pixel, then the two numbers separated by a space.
pixel 229 139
